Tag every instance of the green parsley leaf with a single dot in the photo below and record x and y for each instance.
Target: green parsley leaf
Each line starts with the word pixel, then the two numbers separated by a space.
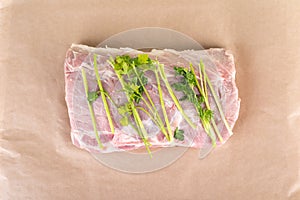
pixel 207 114
pixel 92 96
pixel 122 110
pixel 143 59
pixel 179 134
pixel 188 75
pixel 125 109
pixel 180 71
pixel 124 121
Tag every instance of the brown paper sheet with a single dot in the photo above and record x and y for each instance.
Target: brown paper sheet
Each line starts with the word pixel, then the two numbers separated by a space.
pixel 37 158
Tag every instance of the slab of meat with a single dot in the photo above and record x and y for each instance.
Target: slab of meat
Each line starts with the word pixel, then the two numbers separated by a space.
pixel 219 68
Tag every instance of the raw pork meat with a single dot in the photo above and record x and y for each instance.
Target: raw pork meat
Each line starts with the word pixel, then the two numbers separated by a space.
pixel 219 68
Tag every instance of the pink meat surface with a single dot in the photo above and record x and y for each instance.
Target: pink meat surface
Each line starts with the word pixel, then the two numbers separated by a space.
pixel 219 67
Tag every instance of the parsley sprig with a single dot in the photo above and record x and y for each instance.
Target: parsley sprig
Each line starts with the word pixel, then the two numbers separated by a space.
pixel 187 86
pixel 206 79
pixel 90 106
pixel 173 96
pixel 110 121
pixel 202 88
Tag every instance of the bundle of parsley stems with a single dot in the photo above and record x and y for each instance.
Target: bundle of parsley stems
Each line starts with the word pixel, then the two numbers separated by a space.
pixel 131 74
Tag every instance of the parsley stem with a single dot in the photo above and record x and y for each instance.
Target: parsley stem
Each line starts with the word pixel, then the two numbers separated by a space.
pixel 139 122
pixel 162 102
pixel 174 98
pixel 110 121
pixel 204 79
pixel 147 145
pixel 143 130
pixel 215 98
pixel 217 130
pixel 212 135
pixel 147 104
pixel 200 88
pixel 147 113
pixel 91 108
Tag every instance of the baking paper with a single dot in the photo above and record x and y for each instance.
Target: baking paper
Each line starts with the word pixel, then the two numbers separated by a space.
pixel 260 161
